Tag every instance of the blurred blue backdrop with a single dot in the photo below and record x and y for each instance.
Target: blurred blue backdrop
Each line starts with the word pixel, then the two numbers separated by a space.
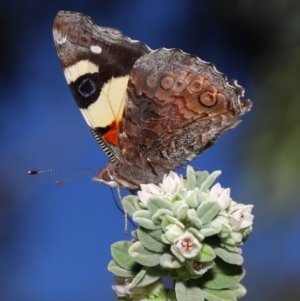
pixel 55 240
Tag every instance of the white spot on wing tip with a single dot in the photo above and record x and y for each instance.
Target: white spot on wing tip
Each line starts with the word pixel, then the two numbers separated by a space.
pixel 96 49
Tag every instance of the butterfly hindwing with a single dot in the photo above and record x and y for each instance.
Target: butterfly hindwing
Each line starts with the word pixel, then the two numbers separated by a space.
pixel 177 106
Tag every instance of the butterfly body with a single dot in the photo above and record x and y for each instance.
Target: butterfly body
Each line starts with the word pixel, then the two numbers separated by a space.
pixel 150 111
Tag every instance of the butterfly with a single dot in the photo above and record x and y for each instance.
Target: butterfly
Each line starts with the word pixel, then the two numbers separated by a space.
pixel 149 110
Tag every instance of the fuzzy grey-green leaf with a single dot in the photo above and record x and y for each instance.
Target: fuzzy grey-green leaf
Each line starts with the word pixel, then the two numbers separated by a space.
pixel 211 228
pixel 143 218
pixel 201 176
pixel 169 261
pixel 239 290
pixel 138 277
pixel 196 233
pixel 190 178
pixel 143 256
pixel 222 275
pixel 119 252
pixel 233 249
pixel 207 211
pixel 187 291
pixel 180 209
pixel 151 239
pixel 169 220
pixel 218 295
pixel 119 271
pixel 229 257
pixel 207 253
pixel 159 215
pixel 147 276
pixel 193 198
pixel 209 180
pixel 194 220
pixel 130 205
pixel 155 203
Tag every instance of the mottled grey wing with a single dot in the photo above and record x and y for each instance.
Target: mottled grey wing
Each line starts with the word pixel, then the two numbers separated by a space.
pixel 176 106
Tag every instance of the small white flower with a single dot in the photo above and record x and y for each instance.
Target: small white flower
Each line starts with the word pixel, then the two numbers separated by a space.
pixel 199 268
pixel 221 195
pixel 122 286
pixel 122 289
pixel 187 245
pixel 148 190
pixel 240 216
pixel 171 182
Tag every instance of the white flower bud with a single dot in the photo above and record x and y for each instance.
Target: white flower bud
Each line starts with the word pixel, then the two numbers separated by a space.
pixel 171 182
pixel 148 190
pixel 221 195
pixel 240 216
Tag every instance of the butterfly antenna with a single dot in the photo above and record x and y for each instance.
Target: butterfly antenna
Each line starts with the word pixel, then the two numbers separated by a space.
pixel 90 169
pixel 58 182
pixel 122 209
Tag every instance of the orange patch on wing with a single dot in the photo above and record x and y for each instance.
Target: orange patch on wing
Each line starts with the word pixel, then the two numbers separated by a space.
pixel 111 136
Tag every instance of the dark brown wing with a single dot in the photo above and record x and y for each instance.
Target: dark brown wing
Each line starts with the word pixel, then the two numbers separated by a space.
pixel 176 106
pixel 97 62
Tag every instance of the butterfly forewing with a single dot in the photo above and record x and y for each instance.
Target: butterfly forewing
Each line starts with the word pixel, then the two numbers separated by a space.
pixel 96 62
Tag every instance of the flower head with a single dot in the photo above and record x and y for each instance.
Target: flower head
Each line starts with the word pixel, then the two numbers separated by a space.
pixel 187 245
pixel 169 185
pixel 171 182
pixel 240 216
pixel 221 195
pixel 148 190
pixel 187 229
pixel 121 287
pixel 154 291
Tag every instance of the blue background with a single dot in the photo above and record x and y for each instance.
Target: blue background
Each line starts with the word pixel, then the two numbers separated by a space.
pixel 55 239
